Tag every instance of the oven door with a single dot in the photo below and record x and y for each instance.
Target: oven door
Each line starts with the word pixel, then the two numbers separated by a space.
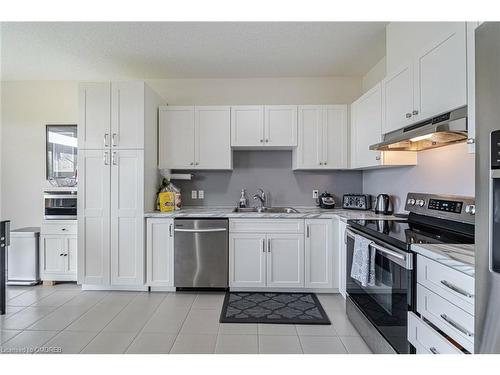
pixel 59 207
pixel 386 303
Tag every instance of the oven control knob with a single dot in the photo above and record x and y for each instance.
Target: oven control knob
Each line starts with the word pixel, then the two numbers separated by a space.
pixel 411 202
pixel 420 202
pixel 470 209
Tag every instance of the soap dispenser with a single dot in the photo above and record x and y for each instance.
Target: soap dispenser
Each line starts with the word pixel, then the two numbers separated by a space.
pixel 243 199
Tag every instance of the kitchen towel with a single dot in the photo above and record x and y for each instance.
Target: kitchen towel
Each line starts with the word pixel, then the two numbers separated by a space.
pixel 361 268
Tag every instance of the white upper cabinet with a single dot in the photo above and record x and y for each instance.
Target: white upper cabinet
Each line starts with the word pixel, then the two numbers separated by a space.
pixel 280 125
pixel 95 114
pixel 397 99
pixel 114 115
pixel 322 137
pixel 195 137
pixel 366 130
pixel 247 126
pixel 213 137
pixel 127 114
pixel 433 77
pixel 176 137
pixel 255 126
pixel 441 74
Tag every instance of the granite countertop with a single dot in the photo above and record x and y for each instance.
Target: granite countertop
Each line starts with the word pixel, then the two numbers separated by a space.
pixel 457 256
pixel 304 213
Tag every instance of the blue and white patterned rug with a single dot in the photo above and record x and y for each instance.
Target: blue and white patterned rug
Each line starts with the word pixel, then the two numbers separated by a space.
pixel 273 308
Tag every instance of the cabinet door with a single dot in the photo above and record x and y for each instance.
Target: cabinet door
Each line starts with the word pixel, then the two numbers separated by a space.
pixel 176 138
pixel 94 126
pixel 280 125
pixel 160 252
pixel 285 260
pixel 127 217
pixel 127 114
pixel 247 126
pixel 93 216
pixel 335 137
pixel 53 250
pixel 441 74
pixel 309 153
pixel 318 253
pixel 213 137
pixel 71 254
pixel 247 260
pixel 397 101
pixel 366 120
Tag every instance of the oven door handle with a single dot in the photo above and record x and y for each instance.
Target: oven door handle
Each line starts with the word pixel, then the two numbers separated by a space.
pixel 67 196
pixel 404 260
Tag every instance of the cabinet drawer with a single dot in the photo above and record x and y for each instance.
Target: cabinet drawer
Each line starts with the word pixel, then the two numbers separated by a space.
pixel 59 228
pixel 452 285
pixel 266 225
pixel 427 340
pixel 453 321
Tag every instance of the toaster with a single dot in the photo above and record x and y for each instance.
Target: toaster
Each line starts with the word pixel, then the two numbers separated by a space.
pixel 357 201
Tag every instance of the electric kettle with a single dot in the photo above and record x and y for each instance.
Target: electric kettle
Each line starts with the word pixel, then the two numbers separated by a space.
pixel 383 205
pixel 326 200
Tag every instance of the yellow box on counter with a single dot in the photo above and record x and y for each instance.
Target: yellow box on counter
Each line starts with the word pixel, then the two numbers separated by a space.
pixel 167 201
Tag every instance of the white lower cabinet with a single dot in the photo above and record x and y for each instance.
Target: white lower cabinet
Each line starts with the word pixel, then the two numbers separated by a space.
pixel 160 252
pixel 278 253
pixel 58 252
pixel 247 260
pixel 319 253
pixel 343 257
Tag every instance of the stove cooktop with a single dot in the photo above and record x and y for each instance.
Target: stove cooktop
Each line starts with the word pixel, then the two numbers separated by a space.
pixel 403 233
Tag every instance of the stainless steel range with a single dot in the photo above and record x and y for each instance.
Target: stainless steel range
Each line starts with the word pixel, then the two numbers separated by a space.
pixel 379 309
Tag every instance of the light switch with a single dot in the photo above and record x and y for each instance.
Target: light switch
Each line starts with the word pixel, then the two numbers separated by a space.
pixel 194 194
pixel 201 194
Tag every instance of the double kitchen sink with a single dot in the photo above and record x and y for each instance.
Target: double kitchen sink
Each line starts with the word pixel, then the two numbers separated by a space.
pixel 270 210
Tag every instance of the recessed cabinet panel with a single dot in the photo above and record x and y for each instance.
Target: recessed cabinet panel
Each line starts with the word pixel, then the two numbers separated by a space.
pixel 281 125
pixel 176 138
pixel 335 137
pixel 127 115
pixel 72 251
pixel 53 254
pixel 285 261
pixel 95 115
pixel 247 126
pixel 397 99
pixel 310 128
pixel 247 260
pixel 318 254
pixel 160 252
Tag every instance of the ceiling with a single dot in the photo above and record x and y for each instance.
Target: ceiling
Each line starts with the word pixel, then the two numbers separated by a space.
pixel 147 50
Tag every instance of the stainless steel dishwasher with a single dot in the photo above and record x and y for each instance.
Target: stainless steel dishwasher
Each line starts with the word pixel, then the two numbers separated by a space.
pixel 201 253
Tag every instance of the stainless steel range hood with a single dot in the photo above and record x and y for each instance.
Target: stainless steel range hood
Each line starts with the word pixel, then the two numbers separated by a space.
pixel 442 130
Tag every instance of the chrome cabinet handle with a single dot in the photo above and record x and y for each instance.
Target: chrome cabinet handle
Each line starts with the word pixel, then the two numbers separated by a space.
pixel 415 112
pixel 268 245
pixel 320 163
pixel 114 159
pixel 106 139
pixel 377 158
pixel 106 160
pixel 170 230
pixel 65 254
pixel 433 350
pixel 64 229
pixel 267 140
pixel 263 245
pixel 455 325
pixel 324 163
pixel 456 289
pixel 408 115
pixel 471 141
pixel 307 231
pixel 192 163
pixel 113 139
pixel 261 141
pixel 61 254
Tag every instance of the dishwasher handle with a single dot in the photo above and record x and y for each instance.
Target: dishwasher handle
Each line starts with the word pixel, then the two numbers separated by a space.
pixel 201 230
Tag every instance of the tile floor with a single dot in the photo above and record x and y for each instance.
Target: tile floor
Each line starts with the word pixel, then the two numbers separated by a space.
pixel 74 321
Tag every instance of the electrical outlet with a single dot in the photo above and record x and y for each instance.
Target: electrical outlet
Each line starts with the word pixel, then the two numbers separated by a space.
pixel 194 194
pixel 201 194
pixel 315 194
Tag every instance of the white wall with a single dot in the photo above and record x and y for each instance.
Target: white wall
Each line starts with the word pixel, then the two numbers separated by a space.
pixel 446 170
pixel 27 106
pixel 374 75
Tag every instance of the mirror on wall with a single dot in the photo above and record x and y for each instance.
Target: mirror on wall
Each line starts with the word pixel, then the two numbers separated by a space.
pixel 62 152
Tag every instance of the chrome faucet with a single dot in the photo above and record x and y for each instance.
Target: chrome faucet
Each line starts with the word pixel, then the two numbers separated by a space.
pixel 261 196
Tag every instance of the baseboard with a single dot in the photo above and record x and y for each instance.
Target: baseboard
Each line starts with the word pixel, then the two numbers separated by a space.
pixel 286 290
pixel 124 288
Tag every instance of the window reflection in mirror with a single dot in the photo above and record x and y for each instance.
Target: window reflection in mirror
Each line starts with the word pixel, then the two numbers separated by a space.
pixel 62 149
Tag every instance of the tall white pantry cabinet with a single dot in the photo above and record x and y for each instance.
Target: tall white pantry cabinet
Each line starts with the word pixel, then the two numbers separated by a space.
pixel 117 158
